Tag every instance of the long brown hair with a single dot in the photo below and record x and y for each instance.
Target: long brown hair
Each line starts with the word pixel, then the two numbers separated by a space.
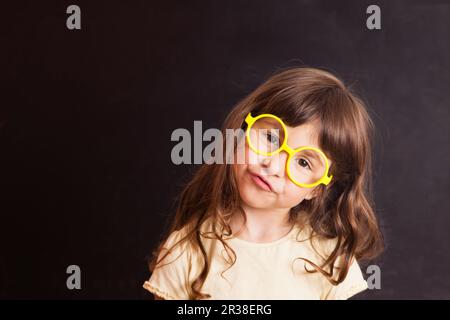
pixel 343 210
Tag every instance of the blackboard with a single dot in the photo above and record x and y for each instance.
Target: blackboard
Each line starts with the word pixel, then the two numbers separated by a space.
pixel 86 118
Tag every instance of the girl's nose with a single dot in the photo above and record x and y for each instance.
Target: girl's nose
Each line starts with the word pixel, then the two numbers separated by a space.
pixel 275 164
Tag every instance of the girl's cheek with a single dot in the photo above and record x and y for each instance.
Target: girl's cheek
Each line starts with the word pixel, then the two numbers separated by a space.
pixel 241 153
pixel 294 192
pixel 252 158
pixel 244 155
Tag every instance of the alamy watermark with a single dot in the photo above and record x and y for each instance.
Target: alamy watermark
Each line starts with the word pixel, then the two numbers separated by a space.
pixel 74 279
pixel 221 149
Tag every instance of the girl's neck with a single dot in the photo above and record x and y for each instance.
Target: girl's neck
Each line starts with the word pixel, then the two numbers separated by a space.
pixel 263 225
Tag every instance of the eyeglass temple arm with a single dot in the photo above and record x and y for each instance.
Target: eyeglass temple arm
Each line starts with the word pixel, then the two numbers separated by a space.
pixel 327 179
pixel 248 118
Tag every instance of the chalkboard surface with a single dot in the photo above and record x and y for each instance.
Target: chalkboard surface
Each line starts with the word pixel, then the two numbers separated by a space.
pixel 87 114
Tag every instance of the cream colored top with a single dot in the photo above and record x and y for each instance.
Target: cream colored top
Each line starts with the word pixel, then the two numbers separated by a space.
pixel 261 271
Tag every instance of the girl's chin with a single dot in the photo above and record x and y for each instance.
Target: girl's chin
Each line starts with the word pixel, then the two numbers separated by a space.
pixel 255 198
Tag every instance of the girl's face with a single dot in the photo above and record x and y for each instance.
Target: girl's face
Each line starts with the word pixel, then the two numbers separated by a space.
pixel 263 181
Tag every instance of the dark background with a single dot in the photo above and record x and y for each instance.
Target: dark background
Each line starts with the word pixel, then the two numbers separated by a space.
pixel 86 118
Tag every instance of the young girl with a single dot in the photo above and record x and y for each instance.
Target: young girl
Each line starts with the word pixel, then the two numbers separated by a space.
pixel 293 219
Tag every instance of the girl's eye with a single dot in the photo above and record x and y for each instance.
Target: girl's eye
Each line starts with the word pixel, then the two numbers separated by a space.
pixel 304 163
pixel 272 138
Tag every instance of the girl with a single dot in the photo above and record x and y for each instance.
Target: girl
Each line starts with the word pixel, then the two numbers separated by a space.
pixel 293 219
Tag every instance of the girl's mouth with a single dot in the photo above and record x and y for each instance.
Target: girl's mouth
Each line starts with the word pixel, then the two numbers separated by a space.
pixel 261 182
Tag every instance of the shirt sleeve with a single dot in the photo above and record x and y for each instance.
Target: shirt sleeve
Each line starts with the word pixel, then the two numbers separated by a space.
pixel 354 283
pixel 169 279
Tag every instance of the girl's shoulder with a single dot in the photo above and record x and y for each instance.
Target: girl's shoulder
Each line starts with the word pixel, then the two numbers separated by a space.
pixel 181 238
pixel 319 247
pixel 175 247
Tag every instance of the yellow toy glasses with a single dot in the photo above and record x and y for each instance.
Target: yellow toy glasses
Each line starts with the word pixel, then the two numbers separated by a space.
pixel 266 135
